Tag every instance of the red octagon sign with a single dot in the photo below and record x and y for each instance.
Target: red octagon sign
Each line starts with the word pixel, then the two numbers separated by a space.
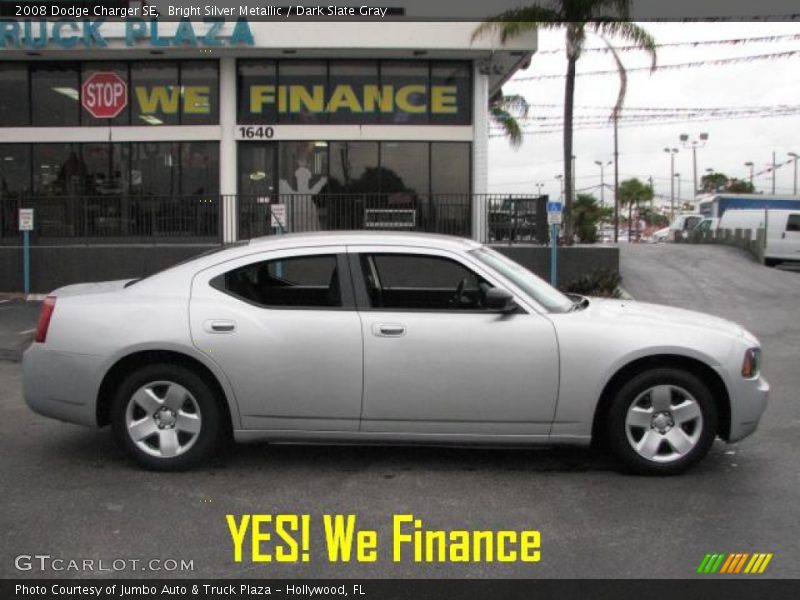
pixel 104 95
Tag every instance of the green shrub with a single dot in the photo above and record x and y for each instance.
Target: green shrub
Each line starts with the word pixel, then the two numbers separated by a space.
pixel 600 282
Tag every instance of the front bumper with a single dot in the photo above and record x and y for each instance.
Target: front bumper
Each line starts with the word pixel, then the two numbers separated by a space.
pixel 61 385
pixel 748 403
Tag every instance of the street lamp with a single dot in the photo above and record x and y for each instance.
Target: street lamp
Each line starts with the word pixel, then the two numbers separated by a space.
pixel 560 179
pixel 678 177
pixel 794 156
pixel 539 187
pixel 672 152
pixel 602 166
pixel 750 164
pixel 694 145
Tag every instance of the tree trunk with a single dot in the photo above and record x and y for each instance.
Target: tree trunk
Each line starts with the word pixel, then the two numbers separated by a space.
pixel 569 192
pixel 616 179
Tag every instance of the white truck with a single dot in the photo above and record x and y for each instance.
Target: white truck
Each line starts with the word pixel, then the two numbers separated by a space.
pixel 782 227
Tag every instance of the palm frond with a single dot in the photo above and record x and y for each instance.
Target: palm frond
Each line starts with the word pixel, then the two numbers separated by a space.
pixel 514 104
pixel 623 79
pixel 509 124
pixel 629 32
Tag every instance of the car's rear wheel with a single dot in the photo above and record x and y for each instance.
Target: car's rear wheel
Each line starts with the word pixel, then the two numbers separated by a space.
pixel 166 417
pixel 662 422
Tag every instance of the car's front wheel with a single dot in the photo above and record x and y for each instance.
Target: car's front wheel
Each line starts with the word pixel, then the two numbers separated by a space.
pixel 662 421
pixel 166 418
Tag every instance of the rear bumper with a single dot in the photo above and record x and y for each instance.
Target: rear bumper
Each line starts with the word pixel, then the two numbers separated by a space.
pixel 748 403
pixel 61 385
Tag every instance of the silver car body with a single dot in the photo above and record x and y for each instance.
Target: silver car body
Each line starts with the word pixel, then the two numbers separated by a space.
pixel 352 375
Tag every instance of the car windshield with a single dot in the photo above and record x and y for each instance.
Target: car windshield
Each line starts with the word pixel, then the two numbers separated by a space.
pixel 546 295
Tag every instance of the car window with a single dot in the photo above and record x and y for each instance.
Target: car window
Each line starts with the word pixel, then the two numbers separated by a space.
pixel 691 222
pixel 301 281
pixel 793 223
pixel 421 282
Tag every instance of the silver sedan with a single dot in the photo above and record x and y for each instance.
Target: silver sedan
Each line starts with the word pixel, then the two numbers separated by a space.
pixel 386 338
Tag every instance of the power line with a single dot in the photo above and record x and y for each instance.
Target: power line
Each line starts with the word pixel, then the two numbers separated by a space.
pixel 730 42
pixel 686 65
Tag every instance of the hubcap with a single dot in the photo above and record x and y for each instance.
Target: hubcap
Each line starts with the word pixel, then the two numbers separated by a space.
pixel 163 419
pixel 664 423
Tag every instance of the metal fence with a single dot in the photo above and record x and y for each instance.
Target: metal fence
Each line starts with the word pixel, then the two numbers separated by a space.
pixel 108 219
pixel 199 219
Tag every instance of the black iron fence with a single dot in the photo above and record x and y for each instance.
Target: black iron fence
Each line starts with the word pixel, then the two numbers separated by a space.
pixel 199 219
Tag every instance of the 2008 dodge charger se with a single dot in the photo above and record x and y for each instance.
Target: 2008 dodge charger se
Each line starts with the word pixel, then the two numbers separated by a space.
pixel 385 338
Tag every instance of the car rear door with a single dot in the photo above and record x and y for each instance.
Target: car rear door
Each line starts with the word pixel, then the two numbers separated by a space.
pixel 283 327
pixel 432 366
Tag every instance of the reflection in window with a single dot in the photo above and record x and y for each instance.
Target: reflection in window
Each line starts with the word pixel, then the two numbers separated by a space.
pixel 257 170
pixel 155 168
pixel 14 100
pixel 55 94
pixel 356 75
pixel 199 168
pixel 155 93
pixel 312 77
pixel 404 168
pixel 57 170
pixel 257 93
pixel 451 94
pixel 410 81
pixel 15 170
pixel 106 168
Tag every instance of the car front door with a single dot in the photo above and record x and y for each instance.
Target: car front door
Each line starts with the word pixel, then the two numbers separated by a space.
pixel 436 362
pixel 284 329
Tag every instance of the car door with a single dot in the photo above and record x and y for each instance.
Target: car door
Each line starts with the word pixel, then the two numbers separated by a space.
pixel 283 327
pixel 438 364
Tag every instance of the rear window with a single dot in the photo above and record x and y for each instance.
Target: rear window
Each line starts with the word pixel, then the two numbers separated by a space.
pixel 793 223
pixel 300 282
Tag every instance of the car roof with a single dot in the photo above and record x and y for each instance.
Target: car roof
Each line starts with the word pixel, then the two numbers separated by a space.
pixel 360 237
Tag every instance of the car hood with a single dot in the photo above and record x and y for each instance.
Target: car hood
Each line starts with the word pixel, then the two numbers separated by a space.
pixel 83 289
pixel 621 311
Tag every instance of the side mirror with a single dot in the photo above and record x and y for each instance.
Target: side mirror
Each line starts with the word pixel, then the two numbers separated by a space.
pixel 500 300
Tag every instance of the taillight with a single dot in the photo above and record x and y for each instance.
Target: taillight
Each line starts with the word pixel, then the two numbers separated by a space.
pixel 48 306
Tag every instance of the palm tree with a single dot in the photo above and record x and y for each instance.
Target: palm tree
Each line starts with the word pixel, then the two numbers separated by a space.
pixel 505 112
pixel 576 17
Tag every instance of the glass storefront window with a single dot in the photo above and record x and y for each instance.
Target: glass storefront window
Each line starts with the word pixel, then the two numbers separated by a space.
pixel 405 168
pixel 450 167
pixel 357 75
pixel 155 168
pixel 57 170
pixel 55 91
pixel 15 170
pixel 155 93
pixel 353 167
pixel 302 92
pixel 451 93
pixel 199 92
pixel 14 99
pixel 121 69
pixel 257 170
pixel 303 167
pixel 199 168
pixel 257 91
pixel 411 83
pixel 106 168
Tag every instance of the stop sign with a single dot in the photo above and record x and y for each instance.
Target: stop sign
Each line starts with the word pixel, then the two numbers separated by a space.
pixel 104 95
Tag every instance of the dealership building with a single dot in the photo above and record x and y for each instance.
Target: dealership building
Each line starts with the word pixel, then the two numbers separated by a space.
pixel 138 143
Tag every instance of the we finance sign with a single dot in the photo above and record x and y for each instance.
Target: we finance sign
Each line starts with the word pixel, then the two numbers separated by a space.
pixel 73 33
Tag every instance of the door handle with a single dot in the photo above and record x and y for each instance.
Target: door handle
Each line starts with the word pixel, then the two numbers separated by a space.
pixel 220 326
pixel 389 329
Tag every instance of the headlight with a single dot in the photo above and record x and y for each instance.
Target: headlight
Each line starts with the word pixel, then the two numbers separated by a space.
pixel 752 363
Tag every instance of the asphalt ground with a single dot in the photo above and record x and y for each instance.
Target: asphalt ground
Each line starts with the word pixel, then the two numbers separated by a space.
pixel 68 492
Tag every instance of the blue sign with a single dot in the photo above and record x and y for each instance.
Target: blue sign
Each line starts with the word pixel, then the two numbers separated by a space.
pixel 554 207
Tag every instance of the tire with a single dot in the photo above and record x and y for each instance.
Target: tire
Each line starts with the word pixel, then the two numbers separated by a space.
pixel 661 422
pixel 166 417
pixel 771 262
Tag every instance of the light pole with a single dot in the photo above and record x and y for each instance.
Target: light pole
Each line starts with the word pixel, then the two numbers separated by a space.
pixel 694 145
pixel 678 177
pixel 774 168
pixel 602 166
pixel 539 187
pixel 750 164
pixel 794 155
pixel 560 179
pixel 672 152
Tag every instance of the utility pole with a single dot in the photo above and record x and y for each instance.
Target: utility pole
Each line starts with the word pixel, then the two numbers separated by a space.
pixel 678 177
pixel 672 152
pixel 750 164
pixel 773 173
pixel 794 155
pixel 694 145
pixel 616 180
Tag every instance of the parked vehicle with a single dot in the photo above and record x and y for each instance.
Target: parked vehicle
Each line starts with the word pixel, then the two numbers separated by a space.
pixel 518 219
pixel 682 224
pixel 385 338
pixel 707 224
pixel 782 226
pixel 715 205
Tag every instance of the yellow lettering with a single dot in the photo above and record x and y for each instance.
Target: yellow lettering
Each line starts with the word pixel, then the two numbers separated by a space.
pixel 299 98
pixel 339 536
pixel 259 537
pixel 261 95
pixel 344 97
pixel 282 98
pixel 399 538
pixel 530 544
pixel 195 99
pixel 504 555
pixel 284 524
pixel 237 534
pixel 404 102
pixel 379 96
pixel 367 546
pixel 443 99
pixel 165 97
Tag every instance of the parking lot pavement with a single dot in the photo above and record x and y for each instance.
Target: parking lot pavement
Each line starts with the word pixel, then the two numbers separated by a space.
pixel 17 325
pixel 72 494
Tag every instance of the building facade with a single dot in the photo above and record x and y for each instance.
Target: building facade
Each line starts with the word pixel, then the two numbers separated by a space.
pixel 227 131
